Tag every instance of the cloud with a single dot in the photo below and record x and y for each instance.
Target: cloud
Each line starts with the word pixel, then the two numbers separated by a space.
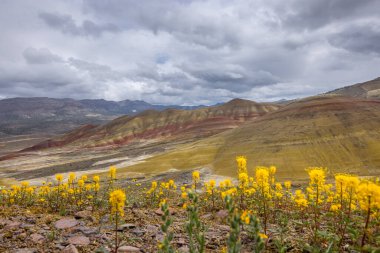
pixel 358 38
pixel 40 56
pixel 186 52
pixel 316 14
pixel 66 24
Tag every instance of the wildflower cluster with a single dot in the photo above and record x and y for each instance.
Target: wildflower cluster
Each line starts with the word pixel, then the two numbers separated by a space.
pixel 59 194
pixel 344 214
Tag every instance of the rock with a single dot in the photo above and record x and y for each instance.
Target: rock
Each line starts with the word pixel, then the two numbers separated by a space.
pixel 79 240
pixel 159 236
pixel 82 214
pixel 206 216
pixel 66 223
pixel 137 232
pixel 126 226
pixel 4 222
pixel 128 249
pixel 30 220
pixel 37 238
pixel 105 218
pixel 222 214
pixel 27 226
pixel 223 227
pixel 87 230
pixel 85 214
pixel 46 227
pixel 180 241
pixel 12 225
pixel 152 228
pixel 70 249
pixel 25 250
pixel 212 234
pixel 184 249
pixel 22 236
pixel 160 213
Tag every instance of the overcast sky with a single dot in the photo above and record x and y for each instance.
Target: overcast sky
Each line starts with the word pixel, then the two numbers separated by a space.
pixel 186 52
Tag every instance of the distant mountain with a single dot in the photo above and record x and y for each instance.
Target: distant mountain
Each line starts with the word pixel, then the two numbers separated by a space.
pixel 40 114
pixel 370 89
pixel 164 125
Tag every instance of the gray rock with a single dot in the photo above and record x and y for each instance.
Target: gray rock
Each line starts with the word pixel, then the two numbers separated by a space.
pixel 87 230
pixel 137 232
pixel 66 223
pixel 79 240
pixel 27 226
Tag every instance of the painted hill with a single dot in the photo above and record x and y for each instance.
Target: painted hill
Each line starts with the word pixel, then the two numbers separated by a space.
pixel 370 89
pixel 333 131
pixel 165 125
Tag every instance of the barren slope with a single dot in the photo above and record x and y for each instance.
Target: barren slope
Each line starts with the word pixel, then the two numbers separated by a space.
pixel 370 89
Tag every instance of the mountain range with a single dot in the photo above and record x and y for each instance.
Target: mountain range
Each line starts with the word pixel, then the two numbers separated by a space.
pixel 40 114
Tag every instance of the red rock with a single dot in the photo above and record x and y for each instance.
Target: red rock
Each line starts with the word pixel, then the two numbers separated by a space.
pixel 79 240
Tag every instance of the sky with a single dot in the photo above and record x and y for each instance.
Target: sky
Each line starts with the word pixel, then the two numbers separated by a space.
pixel 186 52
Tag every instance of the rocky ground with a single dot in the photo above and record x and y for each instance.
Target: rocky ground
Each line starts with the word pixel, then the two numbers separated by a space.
pixel 27 232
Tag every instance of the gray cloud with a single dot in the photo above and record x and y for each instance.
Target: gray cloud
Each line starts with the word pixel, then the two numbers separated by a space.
pixel 40 56
pixel 66 24
pixel 316 14
pixel 358 38
pixel 186 52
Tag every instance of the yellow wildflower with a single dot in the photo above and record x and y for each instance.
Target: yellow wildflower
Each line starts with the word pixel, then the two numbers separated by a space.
pixel 263 236
pixel 112 172
pixel 96 179
pixel 242 164
pixel 59 177
pixel 117 201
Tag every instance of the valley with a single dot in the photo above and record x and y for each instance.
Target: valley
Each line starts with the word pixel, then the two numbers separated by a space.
pixel 338 132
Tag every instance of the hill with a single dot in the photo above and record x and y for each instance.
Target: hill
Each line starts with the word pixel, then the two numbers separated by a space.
pixel 370 90
pixel 170 124
pixel 335 132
